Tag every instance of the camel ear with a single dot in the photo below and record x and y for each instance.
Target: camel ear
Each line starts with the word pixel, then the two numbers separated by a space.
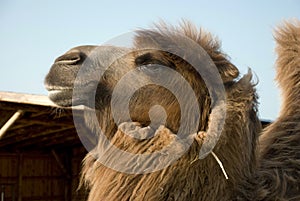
pixel 227 70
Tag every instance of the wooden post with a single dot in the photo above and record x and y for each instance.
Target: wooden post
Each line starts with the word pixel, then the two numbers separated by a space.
pixel 20 176
pixel 10 122
pixel 2 192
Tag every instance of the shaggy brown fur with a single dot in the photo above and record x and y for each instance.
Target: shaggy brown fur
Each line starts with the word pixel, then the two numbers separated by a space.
pixel 277 175
pixel 279 172
pixel 186 178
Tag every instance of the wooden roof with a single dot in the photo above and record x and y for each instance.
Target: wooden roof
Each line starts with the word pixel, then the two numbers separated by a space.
pixel 39 123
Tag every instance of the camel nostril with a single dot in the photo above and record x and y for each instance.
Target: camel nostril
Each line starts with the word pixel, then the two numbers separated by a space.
pixel 71 58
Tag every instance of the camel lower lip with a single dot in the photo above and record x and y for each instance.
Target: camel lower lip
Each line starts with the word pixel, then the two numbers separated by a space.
pixel 65 98
pixel 61 97
pixel 60 94
pixel 55 92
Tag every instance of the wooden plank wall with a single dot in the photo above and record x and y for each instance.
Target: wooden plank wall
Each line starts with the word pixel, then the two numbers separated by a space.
pixel 38 176
pixel 82 193
pixel 8 175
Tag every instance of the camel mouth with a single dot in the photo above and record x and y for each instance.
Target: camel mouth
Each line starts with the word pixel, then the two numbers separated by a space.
pixel 60 96
pixel 67 96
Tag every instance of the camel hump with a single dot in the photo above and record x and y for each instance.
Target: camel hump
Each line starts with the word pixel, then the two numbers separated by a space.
pixel 287 38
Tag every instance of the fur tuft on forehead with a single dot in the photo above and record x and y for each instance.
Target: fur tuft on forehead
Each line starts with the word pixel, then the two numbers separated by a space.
pixel 174 39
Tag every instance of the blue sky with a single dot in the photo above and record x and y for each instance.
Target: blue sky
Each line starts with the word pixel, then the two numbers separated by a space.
pixel 34 33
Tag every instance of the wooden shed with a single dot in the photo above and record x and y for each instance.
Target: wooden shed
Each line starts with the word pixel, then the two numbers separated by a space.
pixel 40 151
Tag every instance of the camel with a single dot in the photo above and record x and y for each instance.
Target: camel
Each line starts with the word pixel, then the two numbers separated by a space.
pixel 278 175
pixel 198 163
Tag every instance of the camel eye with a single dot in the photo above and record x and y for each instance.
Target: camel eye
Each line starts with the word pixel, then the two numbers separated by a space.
pixel 143 59
pixel 150 69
